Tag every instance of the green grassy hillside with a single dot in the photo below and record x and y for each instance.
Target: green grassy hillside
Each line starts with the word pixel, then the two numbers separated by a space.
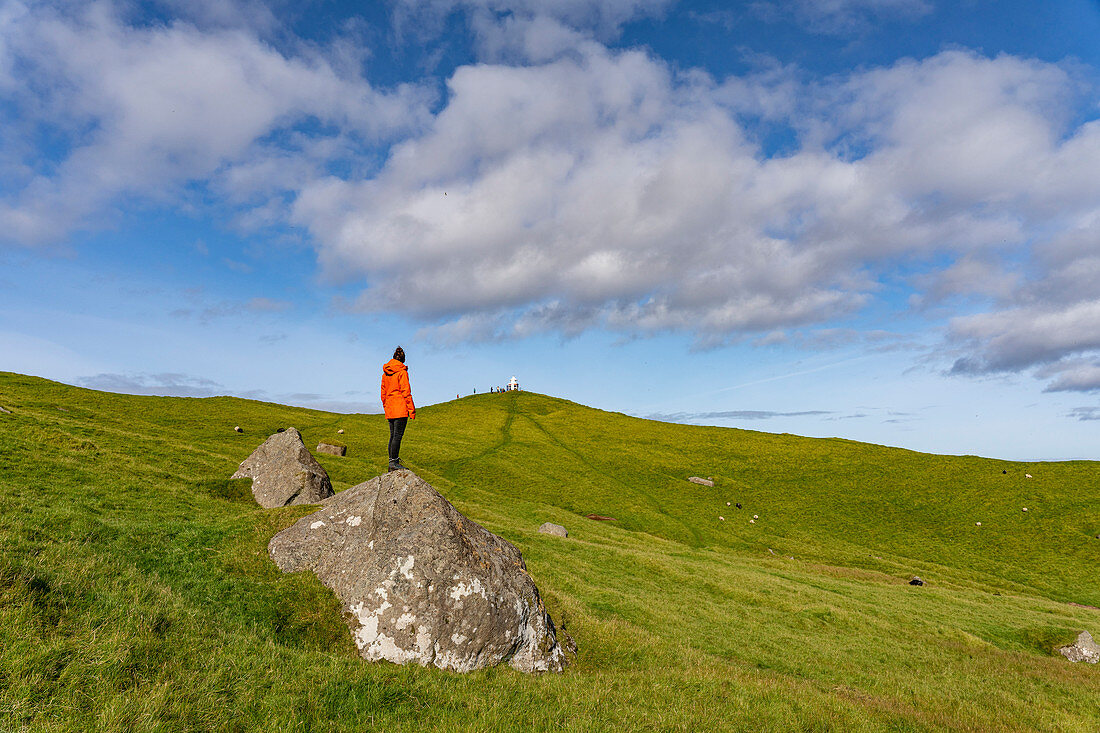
pixel 136 593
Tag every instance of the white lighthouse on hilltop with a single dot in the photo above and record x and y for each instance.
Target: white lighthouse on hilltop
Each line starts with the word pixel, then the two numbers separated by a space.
pixel 513 383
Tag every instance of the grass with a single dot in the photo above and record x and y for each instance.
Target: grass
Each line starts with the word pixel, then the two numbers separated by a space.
pixel 136 592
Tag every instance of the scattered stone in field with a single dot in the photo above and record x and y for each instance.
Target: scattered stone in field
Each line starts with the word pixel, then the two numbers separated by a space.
pixel 600 518
pixel 420 582
pixel 752 521
pixel 721 517
pixel 701 481
pixel 771 550
pixel 5 411
pixel 756 516
pixel 340 431
pixel 1082 605
pixel 916 581
pixel 332 450
pixel 738 505
pixel 1082 650
pixel 1027 475
pixel 1025 508
pixel 977 524
pixel 283 472
pixel 555 529
pixel 238 429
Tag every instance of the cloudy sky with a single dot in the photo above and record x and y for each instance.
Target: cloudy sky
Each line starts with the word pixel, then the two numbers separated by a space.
pixel 872 219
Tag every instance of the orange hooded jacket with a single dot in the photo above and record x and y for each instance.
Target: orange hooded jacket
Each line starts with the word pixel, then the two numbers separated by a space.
pixel 397 398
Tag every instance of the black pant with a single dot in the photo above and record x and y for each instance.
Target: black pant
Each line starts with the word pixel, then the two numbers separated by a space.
pixel 397 431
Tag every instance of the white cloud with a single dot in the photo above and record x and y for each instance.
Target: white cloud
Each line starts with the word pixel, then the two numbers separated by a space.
pixel 1085 413
pixel 602 189
pixel 251 15
pixel 604 16
pixel 968 276
pixel 173 384
pixel 1072 375
pixel 840 16
pixel 597 183
pixel 165 384
pixel 1017 338
pixel 146 110
pixel 267 305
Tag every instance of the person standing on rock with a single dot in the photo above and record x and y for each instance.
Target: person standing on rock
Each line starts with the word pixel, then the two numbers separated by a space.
pixel 397 402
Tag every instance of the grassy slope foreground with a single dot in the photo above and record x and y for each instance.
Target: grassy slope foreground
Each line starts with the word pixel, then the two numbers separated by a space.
pixel 136 593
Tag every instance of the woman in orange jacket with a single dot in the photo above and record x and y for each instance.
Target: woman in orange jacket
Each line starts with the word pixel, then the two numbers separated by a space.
pixel 397 402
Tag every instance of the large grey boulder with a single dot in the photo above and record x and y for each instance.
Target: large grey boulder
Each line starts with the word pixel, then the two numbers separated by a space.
pixel 1082 650
pixel 420 582
pixel 284 472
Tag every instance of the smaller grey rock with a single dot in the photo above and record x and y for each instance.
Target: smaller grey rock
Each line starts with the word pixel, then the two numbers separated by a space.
pixel 283 472
pixel 701 481
pixel 555 529
pixel 332 450
pixel 5 412
pixel 1082 650
pixel 916 581
pixel 238 429
pixel 340 431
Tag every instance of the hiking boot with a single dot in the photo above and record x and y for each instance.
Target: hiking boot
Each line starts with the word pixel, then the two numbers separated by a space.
pixel 395 465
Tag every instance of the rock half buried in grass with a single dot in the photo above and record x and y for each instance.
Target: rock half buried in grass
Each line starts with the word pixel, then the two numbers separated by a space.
pixel 332 449
pixel 420 582
pixel 701 481
pixel 555 529
pixel 284 472
pixel 1082 650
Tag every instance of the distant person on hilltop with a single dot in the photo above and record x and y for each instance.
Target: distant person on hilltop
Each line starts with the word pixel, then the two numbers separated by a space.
pixel 397 401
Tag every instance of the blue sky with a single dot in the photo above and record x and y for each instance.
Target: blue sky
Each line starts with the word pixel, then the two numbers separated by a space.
pixel 872 219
